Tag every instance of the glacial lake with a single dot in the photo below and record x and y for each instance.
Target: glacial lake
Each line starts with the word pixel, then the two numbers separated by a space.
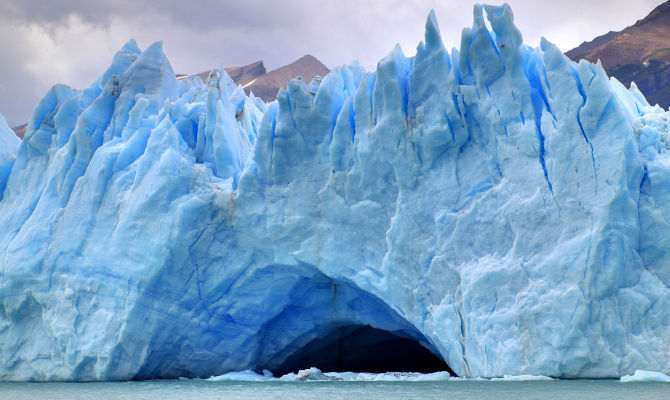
pixel 230 390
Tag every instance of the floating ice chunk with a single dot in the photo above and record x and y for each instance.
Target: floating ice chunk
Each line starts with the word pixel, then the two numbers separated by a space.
pixel 247 375
pixel 435 376
pixel 351 376
pixel 290 377
pixel 645 376
pixel 390 376
pixel 314 374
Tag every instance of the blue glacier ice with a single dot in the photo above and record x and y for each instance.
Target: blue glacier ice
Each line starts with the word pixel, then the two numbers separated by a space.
pixel 9 145
pixel 503 206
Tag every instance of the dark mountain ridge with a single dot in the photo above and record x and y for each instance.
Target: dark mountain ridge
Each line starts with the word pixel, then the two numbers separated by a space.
pixel 640 53
pixel 267 86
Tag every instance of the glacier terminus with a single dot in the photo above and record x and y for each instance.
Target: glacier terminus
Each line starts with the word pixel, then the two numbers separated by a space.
pixel 500 205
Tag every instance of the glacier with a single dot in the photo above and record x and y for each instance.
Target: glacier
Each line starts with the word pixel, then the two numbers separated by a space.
pixel 9 146
pixel 502 206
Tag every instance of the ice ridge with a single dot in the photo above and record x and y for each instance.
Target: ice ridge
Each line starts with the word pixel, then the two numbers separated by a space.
pixel 498 203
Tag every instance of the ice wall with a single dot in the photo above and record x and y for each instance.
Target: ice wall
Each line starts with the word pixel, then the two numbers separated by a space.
pixel 499 203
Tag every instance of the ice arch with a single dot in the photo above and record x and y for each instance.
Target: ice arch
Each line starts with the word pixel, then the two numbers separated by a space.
pixel 281 318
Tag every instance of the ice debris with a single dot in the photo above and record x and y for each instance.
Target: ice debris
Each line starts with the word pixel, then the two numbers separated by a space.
pixel 246 376
pixel 315 374
pixel 499 204
pixel 310 374
pixel 645 376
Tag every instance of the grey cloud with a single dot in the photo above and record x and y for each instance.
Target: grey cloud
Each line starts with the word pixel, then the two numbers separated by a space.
pixel 198 14
pixel 55 12
pixel 200 34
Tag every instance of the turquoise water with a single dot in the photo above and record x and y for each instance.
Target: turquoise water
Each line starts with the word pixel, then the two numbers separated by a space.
pixel 204 390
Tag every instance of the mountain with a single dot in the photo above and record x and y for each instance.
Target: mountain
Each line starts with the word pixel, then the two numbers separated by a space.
pixel 254 78
pixel 639 53
pixel 20 130
pixel 583 49
pixel 267 86
pixel 498 207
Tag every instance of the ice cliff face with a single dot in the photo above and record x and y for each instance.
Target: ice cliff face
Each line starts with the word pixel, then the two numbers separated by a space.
pixel 500 204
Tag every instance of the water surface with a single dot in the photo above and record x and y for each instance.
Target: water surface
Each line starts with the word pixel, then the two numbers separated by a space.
pixel 205 390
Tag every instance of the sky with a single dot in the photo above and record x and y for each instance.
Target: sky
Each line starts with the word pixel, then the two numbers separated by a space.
pixel 45 42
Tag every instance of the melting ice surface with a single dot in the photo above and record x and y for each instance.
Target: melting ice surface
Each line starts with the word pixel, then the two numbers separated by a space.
pixel 499 205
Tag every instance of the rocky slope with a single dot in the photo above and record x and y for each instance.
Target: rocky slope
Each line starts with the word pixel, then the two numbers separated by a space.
pixel 267 86
pixel 639 53
pixel 20 130
pixel 239 75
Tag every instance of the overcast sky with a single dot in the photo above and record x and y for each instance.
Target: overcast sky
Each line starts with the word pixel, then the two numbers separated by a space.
pixel 44 42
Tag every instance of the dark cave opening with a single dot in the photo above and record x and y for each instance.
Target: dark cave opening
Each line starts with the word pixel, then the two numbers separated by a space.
pixel 362 348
